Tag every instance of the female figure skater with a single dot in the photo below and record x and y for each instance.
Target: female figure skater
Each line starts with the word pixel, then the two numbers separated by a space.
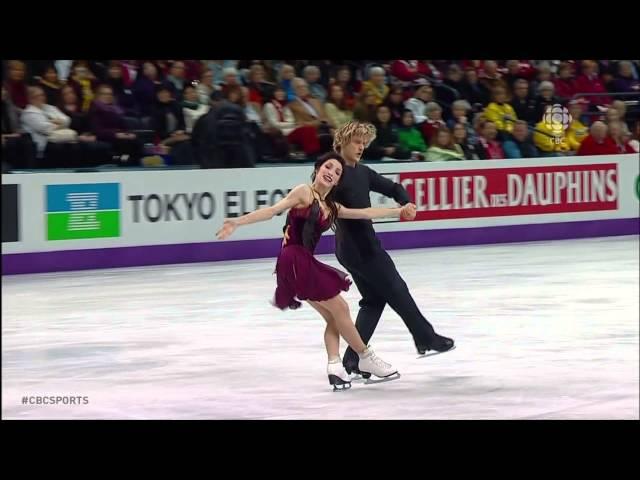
pixel 312 211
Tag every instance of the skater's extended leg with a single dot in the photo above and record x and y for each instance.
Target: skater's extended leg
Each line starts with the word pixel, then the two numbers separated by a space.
pixel 390 285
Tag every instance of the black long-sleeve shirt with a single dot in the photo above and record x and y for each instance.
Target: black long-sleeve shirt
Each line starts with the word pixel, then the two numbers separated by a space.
pixel 356 240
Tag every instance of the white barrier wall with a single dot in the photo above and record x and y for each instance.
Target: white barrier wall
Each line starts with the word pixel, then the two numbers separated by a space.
pixel 85 211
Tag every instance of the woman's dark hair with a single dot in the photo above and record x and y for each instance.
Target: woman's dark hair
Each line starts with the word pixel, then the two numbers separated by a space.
pixel 141 75
pixel 63 89
pixel 450 145
pixel 343 102
pixel 458 126
pixel 47 68
pixel 393 90
pixel 330 198
pixel 404 112
pixel 233 90
pixel 376 121
pixel 278 88
pixel 163 87
pixel 103 86
pixel 340 68
pixel 565 66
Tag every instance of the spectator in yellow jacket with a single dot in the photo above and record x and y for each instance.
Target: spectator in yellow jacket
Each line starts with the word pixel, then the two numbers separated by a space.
pixel 550 139
pixel 375 85
pixel 500 112
pixel 577 130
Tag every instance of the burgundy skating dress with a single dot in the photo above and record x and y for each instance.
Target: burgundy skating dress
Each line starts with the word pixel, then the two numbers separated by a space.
pixel 300 276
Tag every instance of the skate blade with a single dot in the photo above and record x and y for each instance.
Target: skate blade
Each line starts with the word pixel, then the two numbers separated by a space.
pixel 436 353
pixel 342 387
pixel 338 384
pixel 390 378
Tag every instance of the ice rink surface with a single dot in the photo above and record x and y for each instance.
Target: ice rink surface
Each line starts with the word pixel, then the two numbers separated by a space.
pixel 545 330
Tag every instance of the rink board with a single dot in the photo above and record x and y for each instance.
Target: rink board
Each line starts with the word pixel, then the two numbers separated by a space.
pixel 71 221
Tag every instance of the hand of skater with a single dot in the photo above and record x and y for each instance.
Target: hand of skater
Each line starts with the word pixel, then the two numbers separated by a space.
pixel 286 236
pixel 227 229
pixel 408 212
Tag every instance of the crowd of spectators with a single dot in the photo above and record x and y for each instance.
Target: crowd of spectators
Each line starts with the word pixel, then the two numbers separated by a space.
pixel 234 113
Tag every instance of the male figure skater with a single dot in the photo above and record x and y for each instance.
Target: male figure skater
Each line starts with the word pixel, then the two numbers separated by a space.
pixel 359 250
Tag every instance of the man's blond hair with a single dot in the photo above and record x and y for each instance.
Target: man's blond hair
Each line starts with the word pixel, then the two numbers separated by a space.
pixel 353 129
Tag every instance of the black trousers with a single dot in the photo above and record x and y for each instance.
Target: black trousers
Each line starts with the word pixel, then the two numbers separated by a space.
pixel 380 284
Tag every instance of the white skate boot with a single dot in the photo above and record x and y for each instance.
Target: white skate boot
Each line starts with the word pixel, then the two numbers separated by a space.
pixel 370 364
pixel 338 376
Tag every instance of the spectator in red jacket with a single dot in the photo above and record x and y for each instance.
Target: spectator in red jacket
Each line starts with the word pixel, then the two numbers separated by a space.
pixel 259 88
pixel 475 65
pixel 488 148
pixel 565 88
pixel 634 141
pixel 410 70
pixel 620 134
pixel 590 82
pixel 433 122
pixel 517 70
pixel 193 70
pixel 598 142
pixel 16 85
pixel 490 77
pixel 130 71
pixel 349 87
pixel 525 69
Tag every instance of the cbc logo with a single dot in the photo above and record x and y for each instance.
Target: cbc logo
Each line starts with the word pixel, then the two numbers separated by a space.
pixel 557 118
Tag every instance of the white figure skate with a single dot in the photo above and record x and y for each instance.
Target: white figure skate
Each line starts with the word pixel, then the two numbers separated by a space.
pixel 338 376
pixel 371 364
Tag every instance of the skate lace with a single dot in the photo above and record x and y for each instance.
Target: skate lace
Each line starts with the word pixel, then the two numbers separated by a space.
pixel 379 362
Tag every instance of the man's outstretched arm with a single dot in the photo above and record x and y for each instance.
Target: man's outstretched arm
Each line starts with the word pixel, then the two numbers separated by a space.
pixel 387 187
